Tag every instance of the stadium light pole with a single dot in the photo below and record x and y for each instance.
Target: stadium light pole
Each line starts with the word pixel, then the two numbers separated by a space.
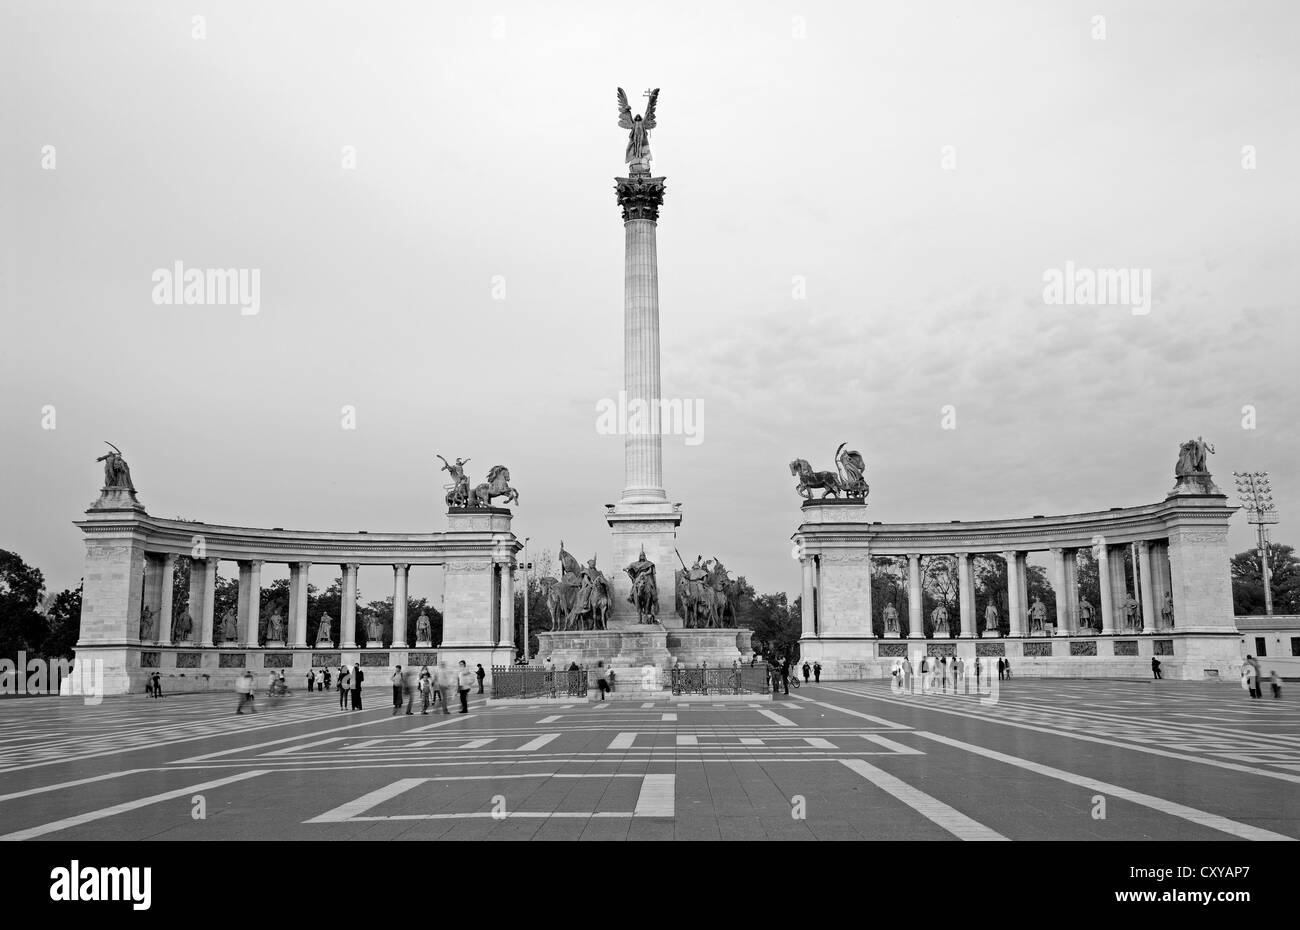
pixel 1256 495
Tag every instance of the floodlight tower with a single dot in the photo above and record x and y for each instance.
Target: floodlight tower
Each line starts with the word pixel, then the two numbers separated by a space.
pixel 1257 500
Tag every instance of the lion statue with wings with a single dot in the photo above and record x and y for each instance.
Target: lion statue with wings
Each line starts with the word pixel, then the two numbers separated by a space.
pixel 638 137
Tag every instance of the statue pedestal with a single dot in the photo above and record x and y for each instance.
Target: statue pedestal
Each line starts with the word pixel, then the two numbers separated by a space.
pixel 117 499
pixel 184 643
pixel 424 644
pixel 374 644
pixel 324 644
pixel 891 634
pixel 991 634
pixel 275 644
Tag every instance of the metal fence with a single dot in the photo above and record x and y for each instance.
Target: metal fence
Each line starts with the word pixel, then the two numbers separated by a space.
pixel 527 681
pixel 748 679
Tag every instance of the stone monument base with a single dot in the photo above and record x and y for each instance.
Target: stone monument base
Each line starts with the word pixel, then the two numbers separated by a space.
pixel 991 634
pixel 374 644
pixel 891 634
pixel 275 644
pixel 423 644
pixel 641 654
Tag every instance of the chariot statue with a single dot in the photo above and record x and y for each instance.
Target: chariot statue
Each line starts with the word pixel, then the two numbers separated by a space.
pixel 847 479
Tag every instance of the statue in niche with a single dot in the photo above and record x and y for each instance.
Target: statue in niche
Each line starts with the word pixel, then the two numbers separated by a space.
pixel 182 627
pixel 1087 616
pixel 940 620
pixel 1131 611
pixel 423 629
pixel 229 626
pixel 275 628
pixel 374 628
pixel 891 618
pixel 146 623
pixel 324 634
pixel 1038 616
pixel 1167 610
pixel 991 618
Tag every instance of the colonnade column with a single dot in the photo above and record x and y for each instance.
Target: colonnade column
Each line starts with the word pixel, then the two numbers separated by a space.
pixel 168 581
pixel 507 612
pixel 401 572
pixel 866 554
pixel 1071 592
pixel 915 618
pixel 203 590
pixel 299 575
pixel 1148 593
pixel 1107 597
pixel 1119 586
pixel 348 607
pixel 1058 586
pixel 1015 609
pixel 806 598
pixel 965 595
pixel 250 601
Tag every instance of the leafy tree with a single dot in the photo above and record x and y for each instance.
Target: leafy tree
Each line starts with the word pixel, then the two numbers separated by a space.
pixel 1248 581
pixel 22 589
pixel 64 623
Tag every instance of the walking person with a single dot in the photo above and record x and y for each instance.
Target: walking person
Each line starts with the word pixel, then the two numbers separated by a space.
pixel 1001 667
pixel 602 681
pixel 817 672
pixel 244 688
pixel 465 681
pixel 358 676
pixel 345 686
pixel 425 685
pixel 311 680
pixel 807 670
pixel 397 690
pixel 446 678
pixel 325 673
pixel 1251 673
pixel 1155 669
pixel 408 688
pixel 157 685
pixel 1007 663
pixel 480 675
pixel 785 674
pixel 1276 684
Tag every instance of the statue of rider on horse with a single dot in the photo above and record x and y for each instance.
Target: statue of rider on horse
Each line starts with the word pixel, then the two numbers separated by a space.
pixel 645 589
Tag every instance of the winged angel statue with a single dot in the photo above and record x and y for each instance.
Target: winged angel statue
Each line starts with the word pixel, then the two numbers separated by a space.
pixel 638 137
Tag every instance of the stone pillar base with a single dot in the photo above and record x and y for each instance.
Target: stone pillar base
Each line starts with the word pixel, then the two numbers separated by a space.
pixel 275 644
pixel 423 644
pixel 991 634
pixel 374 644
pixel 888 634
pixel 652 527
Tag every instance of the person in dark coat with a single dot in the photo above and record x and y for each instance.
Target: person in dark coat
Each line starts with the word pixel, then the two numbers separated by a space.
pixel 311 679
pixel 817 672
pixel 1155 668
pixel 807 671
pixel 480 675
pixel 357 677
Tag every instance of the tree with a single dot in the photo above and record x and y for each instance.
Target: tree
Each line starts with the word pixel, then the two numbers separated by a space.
pixel 22 588
pixel 64 623
pixel 1248 581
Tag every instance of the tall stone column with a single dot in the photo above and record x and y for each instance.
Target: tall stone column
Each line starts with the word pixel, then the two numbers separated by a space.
pixel 1022 572
pixel 506 636
pixel 866 593
pixel 348 607
pixel 299 580
pixel 165 597
pixel 1105 590
pixel 806 599
pixel 1058 588
pixel 1119 586
pixel 643 519
pixel 1071 591
pixel 400 575
pixel 915 617
pixel 250 601
pixel 1015 606
pixel 1149 608
pixel 966 595
pixel 203 591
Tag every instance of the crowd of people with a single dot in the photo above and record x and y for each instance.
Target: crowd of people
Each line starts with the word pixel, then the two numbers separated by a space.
pixel 430 685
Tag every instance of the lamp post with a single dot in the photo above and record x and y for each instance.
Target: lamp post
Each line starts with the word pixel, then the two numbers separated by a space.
pixel 527 598
pixel 1257 500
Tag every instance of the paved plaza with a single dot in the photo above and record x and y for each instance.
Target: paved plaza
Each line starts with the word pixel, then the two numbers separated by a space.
pixel 1068 760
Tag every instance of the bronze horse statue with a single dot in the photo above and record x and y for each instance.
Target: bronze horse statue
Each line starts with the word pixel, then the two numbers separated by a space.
pixel 809 479
pixel 497 485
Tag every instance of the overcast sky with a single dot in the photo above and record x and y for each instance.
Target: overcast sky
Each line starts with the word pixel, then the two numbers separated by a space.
pixel 804 147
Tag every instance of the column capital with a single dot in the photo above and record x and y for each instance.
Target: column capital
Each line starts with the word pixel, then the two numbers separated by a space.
pixel 1142 545
pixel 401 566
pixel 962 555
pixel 169 558
pixel 1057 550
pixel 302 566
pixel 252 563
pixel 640 197
pixel 350 566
